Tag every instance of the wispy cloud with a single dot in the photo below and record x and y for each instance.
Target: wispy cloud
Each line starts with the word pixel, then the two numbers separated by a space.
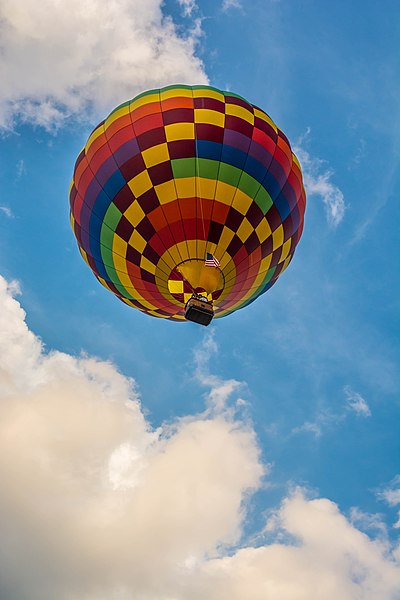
pixel 325 418
pixel 386 191
pixel 318 182
pixel 21 168
pixel 220 389
pixel 189 6
pixel 356 402
pixel 359 156
pixel 6 210
pixel 368 521
pixel 227 4
pixel 391 495
pixel 82 59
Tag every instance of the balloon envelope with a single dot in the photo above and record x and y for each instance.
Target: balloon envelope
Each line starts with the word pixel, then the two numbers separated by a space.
pixel 177 175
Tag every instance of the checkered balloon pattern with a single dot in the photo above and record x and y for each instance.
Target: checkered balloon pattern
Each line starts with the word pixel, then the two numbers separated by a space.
pixel 179 173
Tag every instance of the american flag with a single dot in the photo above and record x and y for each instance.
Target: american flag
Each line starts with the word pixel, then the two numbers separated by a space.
pixel 211 261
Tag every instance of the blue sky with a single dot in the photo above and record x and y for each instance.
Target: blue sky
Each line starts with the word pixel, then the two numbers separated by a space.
pixel 307 375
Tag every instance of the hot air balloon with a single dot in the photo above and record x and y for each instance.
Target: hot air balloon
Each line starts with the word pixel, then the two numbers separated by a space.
pixel 187 202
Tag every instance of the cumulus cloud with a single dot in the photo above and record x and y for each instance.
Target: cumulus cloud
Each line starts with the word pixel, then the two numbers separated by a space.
pixel 96 505
pixel 83 57
pixel 327 559
pixel 318 182
pixel 356 402
pixel 91 496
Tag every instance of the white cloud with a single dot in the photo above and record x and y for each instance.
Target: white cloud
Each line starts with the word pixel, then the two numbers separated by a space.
pixel 326 418
pixel 90 494
pixel 95 505
pixel 220 389
pixel 189 6
pixel 368 521
pixel 391 495
pixel 314 427
pixel 318 182
pixel 359 156
pixel 6 210
pixel 82 58
pixel 327 559
pixel 356 402
pixel 227 4
pixel 21 169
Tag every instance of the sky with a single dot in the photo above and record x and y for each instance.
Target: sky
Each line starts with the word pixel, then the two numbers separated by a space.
pixel 256 459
